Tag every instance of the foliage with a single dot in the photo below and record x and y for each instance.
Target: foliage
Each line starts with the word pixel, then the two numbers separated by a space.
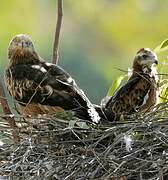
pixel 162 47
pixel 163 82
pixel 163 90
pixel 115 84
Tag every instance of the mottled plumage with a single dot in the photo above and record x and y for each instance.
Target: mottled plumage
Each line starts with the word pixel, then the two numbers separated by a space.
pixel 140 91
pixel 40 87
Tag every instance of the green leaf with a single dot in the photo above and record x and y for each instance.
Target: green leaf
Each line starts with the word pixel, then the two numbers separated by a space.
pixel 164 44
pixel 163 91
pixel 82 125
pixel 162 47
pixel 71 124
pixel 115 85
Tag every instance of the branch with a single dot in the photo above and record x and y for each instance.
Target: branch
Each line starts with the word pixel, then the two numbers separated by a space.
pixel 7 111
pixel 57 32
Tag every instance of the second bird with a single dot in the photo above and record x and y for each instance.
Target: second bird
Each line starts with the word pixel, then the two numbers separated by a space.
pixel 140 91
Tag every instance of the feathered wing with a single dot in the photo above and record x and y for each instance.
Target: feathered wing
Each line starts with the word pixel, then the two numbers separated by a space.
pixel 131 95
pixel 48 85
pixel 130 84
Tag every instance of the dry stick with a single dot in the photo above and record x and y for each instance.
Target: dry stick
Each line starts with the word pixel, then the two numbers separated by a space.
pixel 57 32
pixel 7 111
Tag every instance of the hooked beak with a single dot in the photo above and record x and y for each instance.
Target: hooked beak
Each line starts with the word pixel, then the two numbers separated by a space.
pixel 156 61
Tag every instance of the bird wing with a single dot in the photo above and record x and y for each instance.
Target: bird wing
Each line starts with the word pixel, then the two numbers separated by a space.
pixel 130 84
pixel 131 95
pixel 47 84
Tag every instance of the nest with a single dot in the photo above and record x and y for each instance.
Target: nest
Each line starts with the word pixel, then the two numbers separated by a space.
pixel 58 147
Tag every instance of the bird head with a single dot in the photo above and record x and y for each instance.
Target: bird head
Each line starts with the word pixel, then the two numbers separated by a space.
pixel 144 59
pixel 20 46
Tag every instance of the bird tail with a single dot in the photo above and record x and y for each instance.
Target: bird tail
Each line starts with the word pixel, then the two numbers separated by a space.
pixel 86 108
pixel 104 113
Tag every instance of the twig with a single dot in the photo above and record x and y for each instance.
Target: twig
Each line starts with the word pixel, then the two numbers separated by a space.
pixel 39 155
pixel 122 70
pixel 126 71
pixel 57 32
pixel 6 109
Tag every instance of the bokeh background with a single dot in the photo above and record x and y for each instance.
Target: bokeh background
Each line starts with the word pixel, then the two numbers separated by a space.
pixel 97 36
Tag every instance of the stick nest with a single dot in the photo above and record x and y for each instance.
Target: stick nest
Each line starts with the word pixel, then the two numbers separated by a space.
pixel 63 147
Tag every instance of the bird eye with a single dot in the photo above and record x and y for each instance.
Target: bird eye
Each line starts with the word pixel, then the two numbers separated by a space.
pixel 144 56
pixel 28 43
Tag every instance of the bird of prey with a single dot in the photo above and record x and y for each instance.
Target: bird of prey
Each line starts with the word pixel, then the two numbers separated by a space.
pixel 39 87
pixel 139 93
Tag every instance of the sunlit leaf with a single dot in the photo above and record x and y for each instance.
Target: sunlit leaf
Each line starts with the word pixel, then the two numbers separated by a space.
pixel 163 90
pixel 164 44
pixel 162 47
pixel 115 85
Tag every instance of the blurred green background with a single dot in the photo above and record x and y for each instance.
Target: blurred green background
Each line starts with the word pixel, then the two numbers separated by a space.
pixel 97 36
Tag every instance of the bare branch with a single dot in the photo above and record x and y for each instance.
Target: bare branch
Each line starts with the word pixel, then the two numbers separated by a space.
pixel 57 32
pixel 6 109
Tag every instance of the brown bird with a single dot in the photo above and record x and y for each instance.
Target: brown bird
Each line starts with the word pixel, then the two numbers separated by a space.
pixel 39 87
pixel 140 91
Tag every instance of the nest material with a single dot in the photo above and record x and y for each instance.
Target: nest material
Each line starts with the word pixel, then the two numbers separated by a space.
pixel 52 148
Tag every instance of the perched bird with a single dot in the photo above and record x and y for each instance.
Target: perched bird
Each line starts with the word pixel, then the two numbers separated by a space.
pixel 139 93
pixel 39 87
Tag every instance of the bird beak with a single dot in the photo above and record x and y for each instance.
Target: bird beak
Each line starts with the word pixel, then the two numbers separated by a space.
pixel 156 61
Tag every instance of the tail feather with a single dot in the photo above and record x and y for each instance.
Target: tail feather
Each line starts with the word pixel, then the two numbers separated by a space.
pixel 87 107
pixel 104 113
